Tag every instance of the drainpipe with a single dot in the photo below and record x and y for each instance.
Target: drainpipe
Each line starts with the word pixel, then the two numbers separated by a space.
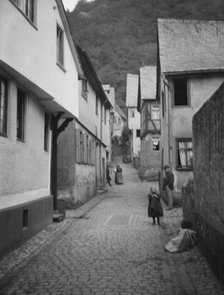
pixel 169 127
pixel 54 152
pixel 101 132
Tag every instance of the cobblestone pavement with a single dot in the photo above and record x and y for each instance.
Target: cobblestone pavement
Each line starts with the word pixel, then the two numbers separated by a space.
pixel 108 246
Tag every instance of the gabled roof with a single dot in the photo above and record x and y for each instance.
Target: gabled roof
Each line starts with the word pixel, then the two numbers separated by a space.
pixel 110 93
pixel 91 75
pixel 190 45
pixel 120 112
pixel 132 90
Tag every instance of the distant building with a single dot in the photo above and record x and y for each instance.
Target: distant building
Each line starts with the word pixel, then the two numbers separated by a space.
pixel 120 121
pixel 111 97
pixel 190 69
pixel 133 114
pixel 149 108
pixel 84 147
pixel 39 72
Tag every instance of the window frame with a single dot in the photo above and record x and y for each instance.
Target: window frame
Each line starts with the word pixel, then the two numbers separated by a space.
pixel 97 106
pixel 138 133
pixel 85 89
pixel 21 115
pixel 4 106
pixel 82 147
pixel 23 8
pixel 60 46
pixel 184 140
pixel 154 138
pixel 187 94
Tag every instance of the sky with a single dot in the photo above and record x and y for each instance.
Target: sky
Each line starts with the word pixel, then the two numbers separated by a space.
pixel 70 4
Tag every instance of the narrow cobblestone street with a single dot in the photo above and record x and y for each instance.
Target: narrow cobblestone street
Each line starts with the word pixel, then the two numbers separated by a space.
pixel 108 246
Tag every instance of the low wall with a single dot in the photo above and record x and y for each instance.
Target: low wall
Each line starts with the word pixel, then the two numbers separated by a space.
pixel 208 143
pixel 19 223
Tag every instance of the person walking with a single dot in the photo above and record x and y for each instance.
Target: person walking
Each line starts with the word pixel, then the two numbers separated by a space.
pixel 168 186
pixel 155 209
pixel 108 175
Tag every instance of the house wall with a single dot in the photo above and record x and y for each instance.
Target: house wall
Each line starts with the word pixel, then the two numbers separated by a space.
pixel 149 158
pixel 208 140
pixel 118 124
pixel 24 174
pixel 38 62
pixel 134 125
pixel 79 178
pixel 22 162
pixel 180 120
pixel 87 110
pixel 76 177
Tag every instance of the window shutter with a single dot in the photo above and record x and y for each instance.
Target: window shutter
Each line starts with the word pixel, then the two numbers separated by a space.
pixel 84 146
pixel 77 145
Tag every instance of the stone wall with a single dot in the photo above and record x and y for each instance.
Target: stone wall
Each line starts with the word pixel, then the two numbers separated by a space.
pixel 208 143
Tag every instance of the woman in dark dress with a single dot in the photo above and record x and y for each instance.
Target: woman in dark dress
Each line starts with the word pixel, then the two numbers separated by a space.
pixel 155 209
pixel 118 175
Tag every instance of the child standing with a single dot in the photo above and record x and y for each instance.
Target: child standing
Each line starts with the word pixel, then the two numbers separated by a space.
pixel 155 209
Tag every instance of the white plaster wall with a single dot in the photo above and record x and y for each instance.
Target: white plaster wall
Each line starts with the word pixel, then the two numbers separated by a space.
pixel 24 166
pixel 87 109
pixel 32 52
pixel 134 124
pixel 106 136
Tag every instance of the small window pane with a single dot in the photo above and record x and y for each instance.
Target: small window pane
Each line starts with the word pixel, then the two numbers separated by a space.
pixel 180 92
pixel 21 96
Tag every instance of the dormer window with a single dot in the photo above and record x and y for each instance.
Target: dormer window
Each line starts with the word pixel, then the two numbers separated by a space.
pixel 60 46
pixel 84 88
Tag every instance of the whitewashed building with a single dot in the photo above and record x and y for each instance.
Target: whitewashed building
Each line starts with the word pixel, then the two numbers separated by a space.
pixel 133 114
pixel 39 72
pixel 190 70
pixel 84 147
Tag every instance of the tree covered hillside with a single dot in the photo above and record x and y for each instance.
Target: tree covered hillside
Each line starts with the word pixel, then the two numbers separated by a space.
pixel 120 35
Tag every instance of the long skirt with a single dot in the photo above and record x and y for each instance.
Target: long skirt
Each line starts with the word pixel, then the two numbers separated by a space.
pixel 118 178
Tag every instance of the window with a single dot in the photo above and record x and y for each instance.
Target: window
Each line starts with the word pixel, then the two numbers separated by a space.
pixel 3 106
pixel 97 105
pixel 102 112
pixel 155 144
pixel 90 152
pixel 82 147
pixel 21 100
pixel 163 103
pixel 180 92
pixel 132 113
pixel 105 115
pixel 46 131
pixel 87 150
pixel 25 218
pixel 84 88
pixel 60 46
pixel 155 113
pixel 138 132
pixel 184 154
pixel 27 7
